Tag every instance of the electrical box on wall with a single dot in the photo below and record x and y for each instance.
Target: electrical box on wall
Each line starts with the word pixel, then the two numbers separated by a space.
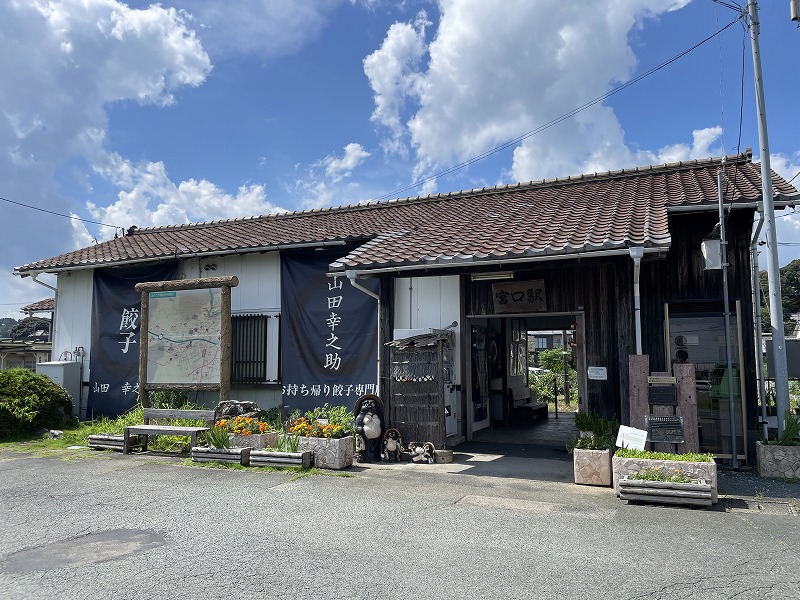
pixel 67 374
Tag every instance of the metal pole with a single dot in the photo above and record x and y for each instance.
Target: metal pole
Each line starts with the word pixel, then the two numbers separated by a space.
pixel 723 250
pixel 781 374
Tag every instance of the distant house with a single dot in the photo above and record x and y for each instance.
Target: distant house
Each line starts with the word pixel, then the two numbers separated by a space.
pixel 28 350
pixel 496 262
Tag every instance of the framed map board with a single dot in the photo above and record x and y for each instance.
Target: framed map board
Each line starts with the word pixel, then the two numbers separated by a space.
pixel 186 335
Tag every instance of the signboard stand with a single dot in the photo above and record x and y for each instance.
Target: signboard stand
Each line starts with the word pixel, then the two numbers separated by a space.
pixel 665 404
pixel 191 371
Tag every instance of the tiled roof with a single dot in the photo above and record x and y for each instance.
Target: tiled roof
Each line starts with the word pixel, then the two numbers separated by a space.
pixel 600 211
pixel 48 304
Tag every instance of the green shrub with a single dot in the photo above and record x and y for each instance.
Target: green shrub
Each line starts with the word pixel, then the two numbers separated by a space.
pixel 30 402
pixel 791 431
pixel 169 399
pixel 686 457
pixel 600 433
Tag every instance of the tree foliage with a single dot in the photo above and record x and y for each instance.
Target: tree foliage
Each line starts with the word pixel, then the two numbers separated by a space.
pixel 790 296
pixel 29 326
pixel 30 402
pixel 6 325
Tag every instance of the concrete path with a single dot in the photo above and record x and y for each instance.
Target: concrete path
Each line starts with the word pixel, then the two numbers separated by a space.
pixel 102 525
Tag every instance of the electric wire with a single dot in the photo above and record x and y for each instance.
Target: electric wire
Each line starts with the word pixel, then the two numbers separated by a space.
pixel 51 212
pixel 557 120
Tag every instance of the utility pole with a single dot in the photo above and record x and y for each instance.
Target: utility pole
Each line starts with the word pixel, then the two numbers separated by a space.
pixel 781 374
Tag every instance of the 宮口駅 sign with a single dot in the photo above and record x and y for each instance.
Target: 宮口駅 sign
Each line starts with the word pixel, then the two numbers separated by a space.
pixel 519 296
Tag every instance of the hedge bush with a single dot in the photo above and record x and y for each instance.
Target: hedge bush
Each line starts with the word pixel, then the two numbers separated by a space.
pixel 31 402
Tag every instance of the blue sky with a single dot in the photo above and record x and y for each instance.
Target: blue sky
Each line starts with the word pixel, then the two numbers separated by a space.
pixel 195 110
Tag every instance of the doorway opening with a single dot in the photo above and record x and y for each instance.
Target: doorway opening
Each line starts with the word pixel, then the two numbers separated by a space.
pixel 522 361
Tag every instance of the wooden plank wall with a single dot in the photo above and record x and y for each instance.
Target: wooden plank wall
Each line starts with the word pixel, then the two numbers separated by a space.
pixel 601 289
pixel 681 276
pixel 604 290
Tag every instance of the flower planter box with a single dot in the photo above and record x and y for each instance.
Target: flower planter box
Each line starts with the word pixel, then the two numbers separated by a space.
pixel 229 455
pixel 778 461
pixel 701 471
pixel 592 467
pixel 257 441
pixel 666 492
pixel 274 458
pixel 329 453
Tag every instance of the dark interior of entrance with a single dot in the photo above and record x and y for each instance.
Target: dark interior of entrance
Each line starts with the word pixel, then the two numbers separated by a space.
pixel 510 383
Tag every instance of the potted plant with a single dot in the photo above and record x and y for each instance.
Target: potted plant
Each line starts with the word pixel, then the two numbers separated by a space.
pixel 781 458
pixel 591 449
pixel 644 465
pixel 218 449
pixel 328 432
pixel 250 432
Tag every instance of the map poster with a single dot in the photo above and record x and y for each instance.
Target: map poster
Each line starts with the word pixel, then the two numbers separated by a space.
pixel 184 336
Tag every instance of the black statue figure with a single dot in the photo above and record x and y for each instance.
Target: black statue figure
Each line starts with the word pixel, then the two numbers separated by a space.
pixel 370 427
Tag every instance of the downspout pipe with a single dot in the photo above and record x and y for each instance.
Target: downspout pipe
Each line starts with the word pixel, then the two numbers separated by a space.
pixel 756 299
pixel 47 285
pixel 352 275
pixel 55 305
pixel 637 252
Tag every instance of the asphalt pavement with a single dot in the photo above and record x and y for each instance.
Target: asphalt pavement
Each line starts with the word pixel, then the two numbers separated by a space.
pixel 88 524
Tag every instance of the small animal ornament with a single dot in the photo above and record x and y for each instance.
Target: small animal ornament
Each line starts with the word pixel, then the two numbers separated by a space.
pixel 392 445
pixel 429 450
pixel 371 424
pixel 422 453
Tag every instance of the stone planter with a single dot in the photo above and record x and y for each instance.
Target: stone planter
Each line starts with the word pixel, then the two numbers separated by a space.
pixel 228 455
pixel 666 492
pixel 778 461
pixel 701 471
pixel 255 441
pixel 329 453
pixel 274 458
pixel 592 467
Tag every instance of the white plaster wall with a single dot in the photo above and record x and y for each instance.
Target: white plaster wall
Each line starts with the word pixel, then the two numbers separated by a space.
pixel 433 303
pixel 72 326
pixel 258 291
pixel 73 318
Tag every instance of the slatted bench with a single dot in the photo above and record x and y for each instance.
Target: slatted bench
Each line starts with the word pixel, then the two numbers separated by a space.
pixel 161 414
pixel 524 409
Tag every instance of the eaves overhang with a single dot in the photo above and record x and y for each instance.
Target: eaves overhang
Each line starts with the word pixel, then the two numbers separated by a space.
pixel 471 262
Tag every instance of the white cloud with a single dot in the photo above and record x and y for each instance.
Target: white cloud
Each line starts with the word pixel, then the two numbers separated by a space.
pixel 263 28
pixel 338 168
pixel 392 71
pixel 154 200
pixel 787 222
pixel 63 62
pixel 480 90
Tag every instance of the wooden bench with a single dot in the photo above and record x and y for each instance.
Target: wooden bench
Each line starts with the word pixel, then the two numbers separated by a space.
pixel 160 414
pixel 524 409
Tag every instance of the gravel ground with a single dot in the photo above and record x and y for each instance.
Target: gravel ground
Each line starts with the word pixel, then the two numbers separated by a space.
pixel 747 484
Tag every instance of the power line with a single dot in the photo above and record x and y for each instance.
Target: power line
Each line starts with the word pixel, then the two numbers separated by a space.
pixel 556 121
pixel 74 218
